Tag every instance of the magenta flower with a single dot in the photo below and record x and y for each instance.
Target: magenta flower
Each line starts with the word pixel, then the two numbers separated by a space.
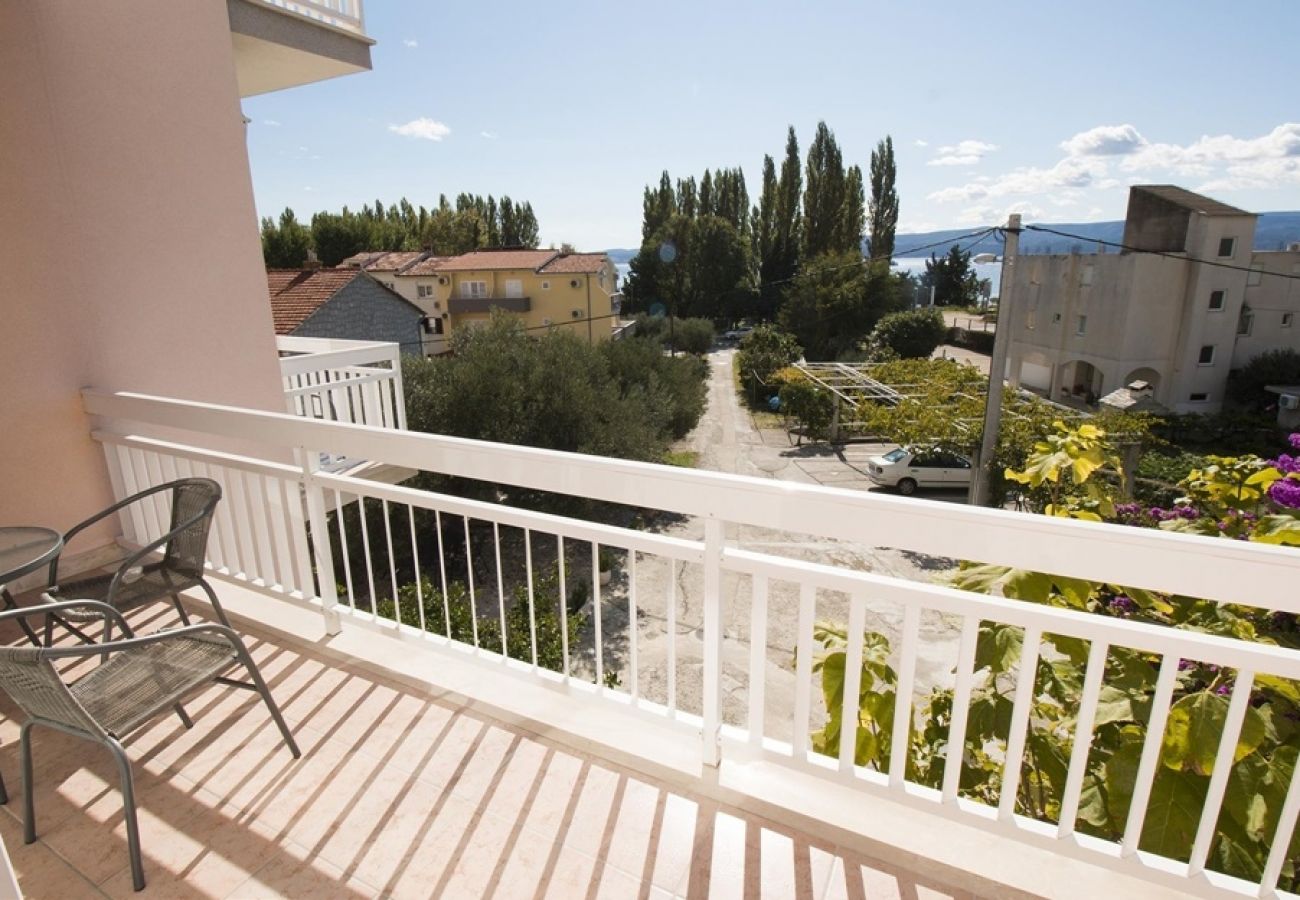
pixel 1295 440
pixel 1285 493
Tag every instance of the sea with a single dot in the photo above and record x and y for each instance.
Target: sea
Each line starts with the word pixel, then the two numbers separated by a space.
pixel 914 264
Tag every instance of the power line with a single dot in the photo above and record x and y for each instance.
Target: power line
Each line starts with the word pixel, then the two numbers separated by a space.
pixel 1169 255
pixel 868 260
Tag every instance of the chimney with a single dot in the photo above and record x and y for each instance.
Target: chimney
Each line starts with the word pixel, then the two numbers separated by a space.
pixel 312 261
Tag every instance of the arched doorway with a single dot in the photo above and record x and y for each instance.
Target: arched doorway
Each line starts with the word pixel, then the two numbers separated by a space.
pixel 1149 375
pixel 1080 380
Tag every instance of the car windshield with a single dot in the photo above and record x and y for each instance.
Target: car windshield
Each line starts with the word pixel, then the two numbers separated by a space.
pixel 894 456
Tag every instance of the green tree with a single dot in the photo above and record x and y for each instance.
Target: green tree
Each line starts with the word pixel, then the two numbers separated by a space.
pixel 883 207
pixel 787 216
pixel 853 215
pixel 834 303
pixel 908 335
pixel 823 196
pixel 952 278
pixel 762 353
pixel 285 246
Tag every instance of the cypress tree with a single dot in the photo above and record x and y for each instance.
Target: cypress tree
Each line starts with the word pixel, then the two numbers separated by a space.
pixel 823 198
pixel 884 200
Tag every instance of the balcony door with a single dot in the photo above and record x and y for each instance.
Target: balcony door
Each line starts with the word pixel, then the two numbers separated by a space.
pixel 514 287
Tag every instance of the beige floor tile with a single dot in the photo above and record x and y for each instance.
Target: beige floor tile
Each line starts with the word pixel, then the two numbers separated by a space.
pixel 42 873
pixel 295 874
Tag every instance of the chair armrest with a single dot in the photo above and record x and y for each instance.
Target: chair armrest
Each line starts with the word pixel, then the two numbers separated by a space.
pixel 157 637
pixel 46 609
pixel 135 558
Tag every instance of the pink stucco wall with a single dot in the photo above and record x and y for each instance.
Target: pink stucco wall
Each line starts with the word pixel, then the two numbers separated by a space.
pixel 129 254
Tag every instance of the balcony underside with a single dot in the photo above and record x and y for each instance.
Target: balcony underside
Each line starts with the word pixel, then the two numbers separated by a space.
pixel 487 304
pixel 400 793
pixel 276 49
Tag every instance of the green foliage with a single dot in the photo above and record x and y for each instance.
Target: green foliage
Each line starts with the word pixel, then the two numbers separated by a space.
pixel 693 335
pixel 883 207
pixel 624 399
pixel 979 341
pixel 833 199
pixel 285 246
pixel 763 352
pixel 547 617
pixel 1246 385
pixel 909 335
pixel 1265 754
pixel 952 278
pixel 811 405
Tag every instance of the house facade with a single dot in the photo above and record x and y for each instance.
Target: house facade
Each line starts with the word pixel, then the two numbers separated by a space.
pixel 1085 324
pixel 347 304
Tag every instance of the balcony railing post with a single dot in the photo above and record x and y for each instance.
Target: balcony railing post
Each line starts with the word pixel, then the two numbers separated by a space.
pixel 321 546
pixel 713 541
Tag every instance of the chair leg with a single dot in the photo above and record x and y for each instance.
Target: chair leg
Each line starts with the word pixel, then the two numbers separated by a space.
pixel 4 793
pixel 265 691
pixel 216 604
pixel 128 812
pixel 184 716
pixel 185 617
pixel 29 803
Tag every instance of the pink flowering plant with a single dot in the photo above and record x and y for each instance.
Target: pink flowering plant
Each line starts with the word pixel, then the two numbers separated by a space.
pixel 1242 498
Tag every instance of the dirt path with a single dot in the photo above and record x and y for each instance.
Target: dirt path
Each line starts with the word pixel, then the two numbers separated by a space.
pixel 727 441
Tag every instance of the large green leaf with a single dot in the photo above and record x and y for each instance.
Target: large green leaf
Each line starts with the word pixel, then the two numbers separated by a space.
pixel 1195 727
pixel 1173 813
pixel 998 647
pixel 1114 705
pixel 1277 530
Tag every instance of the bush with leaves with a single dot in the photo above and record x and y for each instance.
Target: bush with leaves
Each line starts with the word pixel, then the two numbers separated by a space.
pixel 1237 498
pixel 811 404
pixel 1246 385
pixel 909 335
pixel 763 352
pixel 692 335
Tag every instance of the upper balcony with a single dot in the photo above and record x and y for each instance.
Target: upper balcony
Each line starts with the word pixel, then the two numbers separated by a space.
pixel 484 710
pixel 284 43
pixel 462 305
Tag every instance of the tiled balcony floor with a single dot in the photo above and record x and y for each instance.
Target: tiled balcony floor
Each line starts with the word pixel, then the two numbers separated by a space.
pixel 397 795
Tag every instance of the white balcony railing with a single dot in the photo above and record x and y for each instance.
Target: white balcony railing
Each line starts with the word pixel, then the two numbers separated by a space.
pixel 343 381
pixel 348 15
pixel 292 531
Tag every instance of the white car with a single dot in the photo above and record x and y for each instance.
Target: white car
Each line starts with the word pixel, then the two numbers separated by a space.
pixel 908 470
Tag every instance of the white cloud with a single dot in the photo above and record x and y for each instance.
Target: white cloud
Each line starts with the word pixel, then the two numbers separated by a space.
pixel 423 127
pixel 1105 140
pixel 920 143
pixel 966 153
pixel 1068 173
pixel 490 135
pixel 990 214
pixel 410 42
pixel 271 122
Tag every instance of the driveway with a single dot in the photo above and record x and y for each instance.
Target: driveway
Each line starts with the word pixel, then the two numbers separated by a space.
pixel 728 441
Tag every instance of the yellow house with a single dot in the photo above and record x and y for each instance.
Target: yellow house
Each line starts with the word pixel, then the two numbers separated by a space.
pixel 545 288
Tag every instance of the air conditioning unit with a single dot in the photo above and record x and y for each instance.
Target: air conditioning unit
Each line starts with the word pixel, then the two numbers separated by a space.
pixel 437 304
pixel 575 283
pixel 577 313
pixel 443 280
pixel 1289 401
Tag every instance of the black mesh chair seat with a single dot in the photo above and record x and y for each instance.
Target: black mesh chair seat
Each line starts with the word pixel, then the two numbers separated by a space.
pixel 156 581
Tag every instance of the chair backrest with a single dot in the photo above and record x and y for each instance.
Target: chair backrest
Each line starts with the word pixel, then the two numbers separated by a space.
pixel 34 684
pixel 188 548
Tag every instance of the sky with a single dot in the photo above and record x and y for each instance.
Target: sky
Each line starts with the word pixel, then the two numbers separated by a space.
pixel 1042 108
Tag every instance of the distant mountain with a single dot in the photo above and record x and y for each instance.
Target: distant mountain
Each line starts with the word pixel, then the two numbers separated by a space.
pixel 1273 231
pixel 622 255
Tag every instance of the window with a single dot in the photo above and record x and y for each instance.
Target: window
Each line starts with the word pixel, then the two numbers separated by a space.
pixel 1031 317
pixel 1286 319
pixel 1256 275
pixel 1085 279
pixel 1207 356
pixel 1246 322
pixel 546 285
pixel 470 289
pixel 514 287
pixel 1056 317
pixel 424 290
pixel 896 455
pixel 1199 398
pixel 1227 246
pixel 1216 301
pixel 1081 325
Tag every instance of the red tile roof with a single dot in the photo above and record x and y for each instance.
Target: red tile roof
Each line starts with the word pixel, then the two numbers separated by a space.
pixel 297 293
pixel 572 263
pixel 479 260
pixel 358 260
pixel 428 266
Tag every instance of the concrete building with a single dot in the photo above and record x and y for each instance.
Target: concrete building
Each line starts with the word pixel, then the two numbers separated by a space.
pixel 345 304
pixel 1086 324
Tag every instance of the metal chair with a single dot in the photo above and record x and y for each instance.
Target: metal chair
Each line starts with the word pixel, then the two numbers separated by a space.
pixel 138 580
pixel 138 678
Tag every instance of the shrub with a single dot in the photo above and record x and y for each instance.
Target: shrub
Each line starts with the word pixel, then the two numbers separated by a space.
pixel 911 335
pixel 675 385
pixel 978 341
pixel 763 352
pixel 1246 385
pixel 693 335
pixel 810 404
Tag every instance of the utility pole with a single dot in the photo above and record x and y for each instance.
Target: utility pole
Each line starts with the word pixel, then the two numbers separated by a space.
pixel 979 485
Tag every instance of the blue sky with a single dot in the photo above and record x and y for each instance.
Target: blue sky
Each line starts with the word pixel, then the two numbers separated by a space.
pixel 1043 108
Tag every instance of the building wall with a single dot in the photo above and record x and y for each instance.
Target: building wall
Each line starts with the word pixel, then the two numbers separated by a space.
pixel 1270 299
pixel 364 311
pixel 553 300
pixel 121 141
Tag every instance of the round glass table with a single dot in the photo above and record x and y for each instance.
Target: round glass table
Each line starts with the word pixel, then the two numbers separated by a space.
pixel 23 550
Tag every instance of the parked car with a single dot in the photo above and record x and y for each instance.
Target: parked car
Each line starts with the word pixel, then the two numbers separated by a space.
pixel 907 470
